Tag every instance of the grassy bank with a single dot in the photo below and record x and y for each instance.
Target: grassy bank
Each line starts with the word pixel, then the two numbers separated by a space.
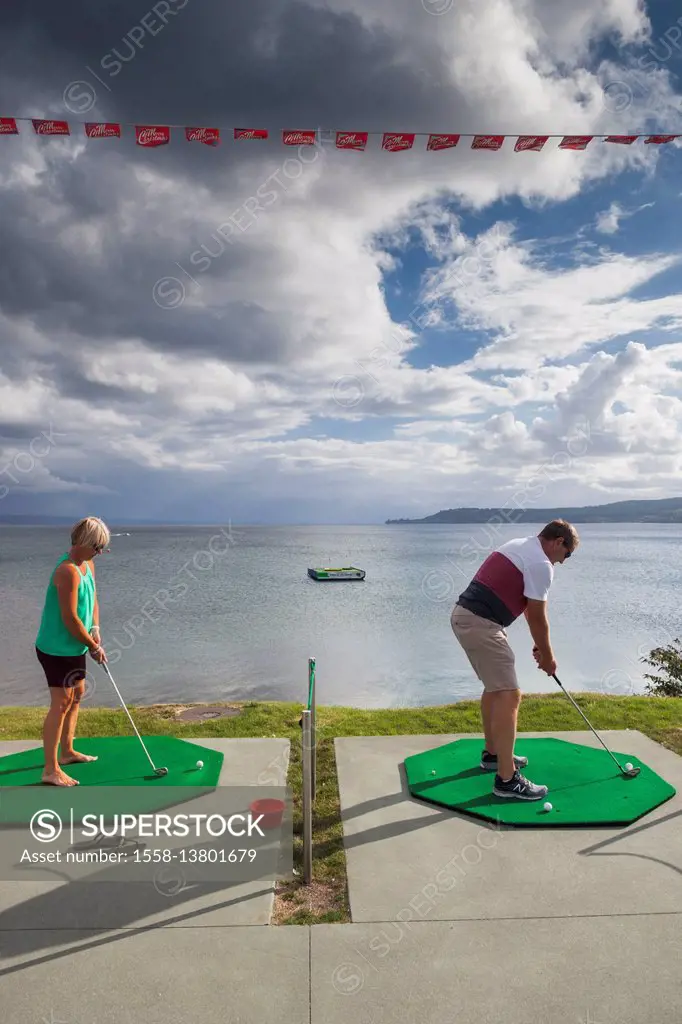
pixel 327 898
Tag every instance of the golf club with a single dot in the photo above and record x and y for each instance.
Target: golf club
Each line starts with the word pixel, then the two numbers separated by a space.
pixel 157 771
pixel 629 774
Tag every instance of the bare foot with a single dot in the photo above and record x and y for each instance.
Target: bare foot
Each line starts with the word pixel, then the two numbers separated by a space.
pixel 76 758
pixel 58 778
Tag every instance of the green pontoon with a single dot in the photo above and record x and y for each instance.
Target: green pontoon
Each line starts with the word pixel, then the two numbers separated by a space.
pixel 347 573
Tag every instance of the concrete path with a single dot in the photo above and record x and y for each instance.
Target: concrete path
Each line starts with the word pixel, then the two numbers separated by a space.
pixel 409 860
pixel 467 922
pixel 161 975
pixel 454 921
pixel 39 910
pixel 607 970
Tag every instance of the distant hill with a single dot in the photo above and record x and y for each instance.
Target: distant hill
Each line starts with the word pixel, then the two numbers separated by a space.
pixel 665 510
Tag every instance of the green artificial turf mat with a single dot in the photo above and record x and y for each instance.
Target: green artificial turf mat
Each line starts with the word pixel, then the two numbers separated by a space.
pixel 585 786
pixel 122 775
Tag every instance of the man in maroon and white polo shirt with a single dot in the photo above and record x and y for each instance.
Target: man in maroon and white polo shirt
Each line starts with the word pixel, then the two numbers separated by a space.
pixel 514 579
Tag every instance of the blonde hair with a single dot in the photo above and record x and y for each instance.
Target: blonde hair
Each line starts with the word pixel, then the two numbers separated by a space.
pixel 90 531
pixel 559 528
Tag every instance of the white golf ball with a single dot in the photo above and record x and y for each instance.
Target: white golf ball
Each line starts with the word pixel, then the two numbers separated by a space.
pixel 548 806
pixel 200 764
pixel 433 772
pixel 628 767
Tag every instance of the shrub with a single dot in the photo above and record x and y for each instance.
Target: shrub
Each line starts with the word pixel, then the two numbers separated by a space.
pixel 669 661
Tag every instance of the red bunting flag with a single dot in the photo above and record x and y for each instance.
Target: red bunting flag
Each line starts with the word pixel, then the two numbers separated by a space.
pixel 351 140
pixel 51 127
pixel 442 141
pixel 306 138
pixel 575 141
pixel 209 136
pixel 103 130
pixel 528 143
pixel 394 142
pixel 152 135
pixel 487 142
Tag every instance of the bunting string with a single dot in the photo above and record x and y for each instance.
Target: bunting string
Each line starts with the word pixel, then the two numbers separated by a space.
pixel 150 135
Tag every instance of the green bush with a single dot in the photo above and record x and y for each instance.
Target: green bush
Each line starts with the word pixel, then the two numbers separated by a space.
pixel 669 661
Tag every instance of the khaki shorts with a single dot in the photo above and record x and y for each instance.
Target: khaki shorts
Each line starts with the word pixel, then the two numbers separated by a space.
pixel 487 648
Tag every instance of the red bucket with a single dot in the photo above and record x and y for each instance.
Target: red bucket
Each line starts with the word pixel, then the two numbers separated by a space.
pixel 272 811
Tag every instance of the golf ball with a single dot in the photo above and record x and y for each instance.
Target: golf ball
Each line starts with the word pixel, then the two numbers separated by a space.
pixel 628 767
pixel 200 764
pixel 548 806
pixel 433 772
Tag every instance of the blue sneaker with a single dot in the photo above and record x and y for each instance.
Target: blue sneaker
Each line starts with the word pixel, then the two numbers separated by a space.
pixel 489 762
pixel 518 788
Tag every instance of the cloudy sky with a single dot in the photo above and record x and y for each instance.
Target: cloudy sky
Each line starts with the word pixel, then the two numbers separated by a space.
pixel 269 334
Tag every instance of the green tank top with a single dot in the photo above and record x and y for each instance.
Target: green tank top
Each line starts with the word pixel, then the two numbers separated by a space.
pixel 53 636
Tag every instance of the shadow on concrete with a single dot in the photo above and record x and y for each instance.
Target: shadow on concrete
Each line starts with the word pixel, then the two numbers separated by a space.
pixel 105 899
pixel 395 828
pixel 26 939
pixel 631 832
pixel 596 850
pixel 392 799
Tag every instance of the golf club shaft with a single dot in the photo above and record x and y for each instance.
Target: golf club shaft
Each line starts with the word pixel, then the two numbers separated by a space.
pixel 587 720
pixel 106 669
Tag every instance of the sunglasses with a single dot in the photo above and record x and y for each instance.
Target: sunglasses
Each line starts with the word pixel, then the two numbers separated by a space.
pixel 569 551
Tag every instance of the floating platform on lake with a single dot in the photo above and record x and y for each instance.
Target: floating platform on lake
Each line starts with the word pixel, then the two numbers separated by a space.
pixel 349 572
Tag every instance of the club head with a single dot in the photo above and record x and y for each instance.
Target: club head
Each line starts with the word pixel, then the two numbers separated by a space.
pixel 164 771
pixel 632 773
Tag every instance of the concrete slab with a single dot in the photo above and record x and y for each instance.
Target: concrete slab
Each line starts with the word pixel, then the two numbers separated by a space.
pixel 161 976
pixel 42 909
pixel 408 860
pixel 582 970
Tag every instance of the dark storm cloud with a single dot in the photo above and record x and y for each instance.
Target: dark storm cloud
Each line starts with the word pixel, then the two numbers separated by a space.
pixel 264 63
pixel 17 432
pixel 108 291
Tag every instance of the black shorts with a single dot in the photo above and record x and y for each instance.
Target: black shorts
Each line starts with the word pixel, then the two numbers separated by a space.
pixel 62 671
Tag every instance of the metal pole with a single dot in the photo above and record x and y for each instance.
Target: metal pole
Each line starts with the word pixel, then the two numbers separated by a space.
pixel 307 798
pixel 313 728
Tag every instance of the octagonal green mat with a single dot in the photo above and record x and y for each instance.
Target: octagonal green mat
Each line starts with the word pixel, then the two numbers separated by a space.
pixel 122 774
pixel 585 786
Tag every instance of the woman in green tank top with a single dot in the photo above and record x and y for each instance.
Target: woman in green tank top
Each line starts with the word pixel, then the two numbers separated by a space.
pixel 69 628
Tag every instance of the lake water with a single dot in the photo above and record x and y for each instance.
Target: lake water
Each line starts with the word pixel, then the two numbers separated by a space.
pixel 228 613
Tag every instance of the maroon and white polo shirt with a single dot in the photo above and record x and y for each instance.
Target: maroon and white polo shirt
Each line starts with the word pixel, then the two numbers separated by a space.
pixel 516 571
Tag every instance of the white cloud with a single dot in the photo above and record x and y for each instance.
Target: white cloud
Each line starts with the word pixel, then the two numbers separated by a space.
pixel 608 221
pixel 538 315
